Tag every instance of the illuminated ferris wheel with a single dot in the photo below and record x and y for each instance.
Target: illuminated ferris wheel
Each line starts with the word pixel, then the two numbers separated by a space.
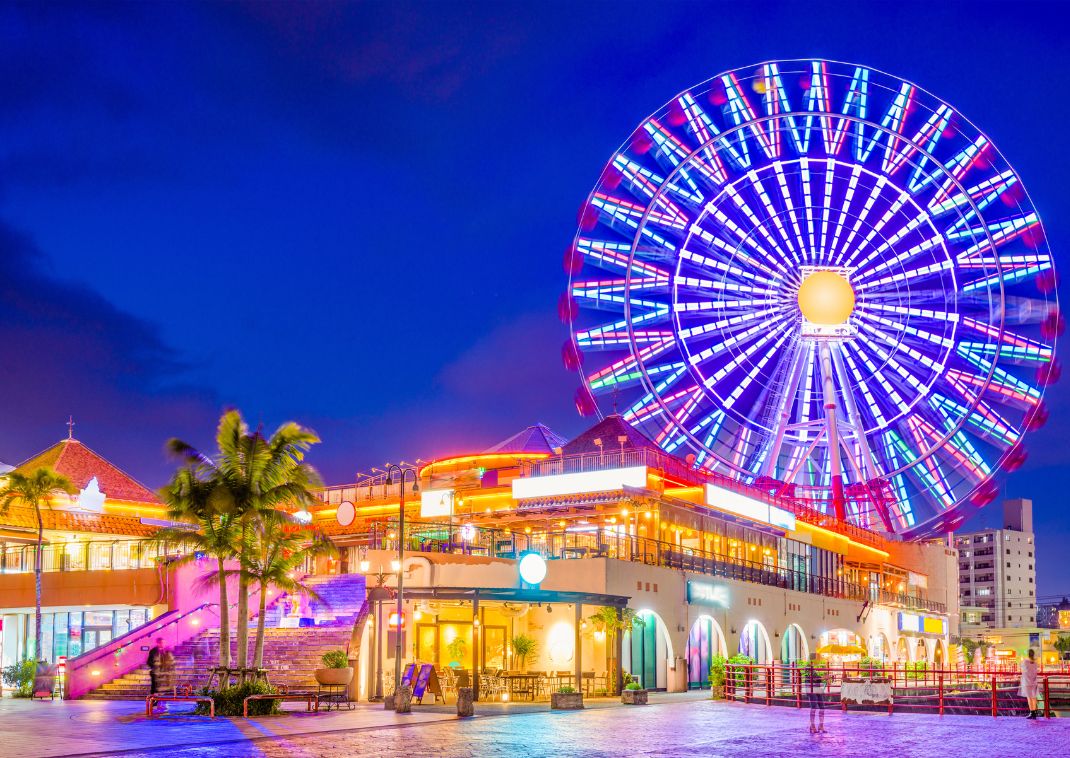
pixel 823 281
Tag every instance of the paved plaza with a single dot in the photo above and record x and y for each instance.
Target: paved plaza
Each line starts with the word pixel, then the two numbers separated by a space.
pixel 670 726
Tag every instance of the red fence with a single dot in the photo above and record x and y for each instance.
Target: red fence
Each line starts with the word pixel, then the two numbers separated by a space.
pixel 911 690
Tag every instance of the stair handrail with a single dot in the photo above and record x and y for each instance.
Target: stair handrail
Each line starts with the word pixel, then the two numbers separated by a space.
pixel 80 678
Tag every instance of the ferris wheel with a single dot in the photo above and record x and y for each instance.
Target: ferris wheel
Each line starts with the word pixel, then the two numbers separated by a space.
pixel 823 281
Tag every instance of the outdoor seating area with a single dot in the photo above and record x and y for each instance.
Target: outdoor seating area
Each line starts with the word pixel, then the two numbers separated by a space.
pixel 506 685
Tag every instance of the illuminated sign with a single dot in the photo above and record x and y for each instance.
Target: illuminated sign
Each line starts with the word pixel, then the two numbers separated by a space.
pixel 436 503
pixel 705 593
pixel 578 483
pixel 749 507
pixel 532 568
pixel 918 624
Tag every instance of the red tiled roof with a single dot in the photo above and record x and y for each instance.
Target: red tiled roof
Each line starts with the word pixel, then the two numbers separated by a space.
pixel 609 430
pixel 78 463
pixel 72 521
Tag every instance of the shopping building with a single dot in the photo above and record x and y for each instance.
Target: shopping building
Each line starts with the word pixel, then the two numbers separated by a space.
pixel 100 575
pixel 609 525
pixel 997 573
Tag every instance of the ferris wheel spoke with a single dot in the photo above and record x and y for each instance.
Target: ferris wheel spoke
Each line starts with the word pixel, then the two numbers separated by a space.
pixel 915 357
pixel 930 479
pixel 940 341
pixel 613 293
pixel 923 142
pixel 878 372
pixel 862 382
pixel 771 213
pixel 775 100
pixel 735 252
pixel 845 207
pixel 750 341
pixel 1012 347
pixel 607 339
pixel 861 218
pixel 980 195
pixel 1001 383
pixel 903 231
pixel 924 246
pixel 650 403
pixel 743 114
pixel 756 224
pixel 649 184
pixel 987 422
pixel 628 371
pixel 707 161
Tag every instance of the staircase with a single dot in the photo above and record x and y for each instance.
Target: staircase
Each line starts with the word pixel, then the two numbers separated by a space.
pixel 290 654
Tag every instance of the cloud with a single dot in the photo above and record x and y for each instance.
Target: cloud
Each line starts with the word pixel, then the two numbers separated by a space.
pixel 67 350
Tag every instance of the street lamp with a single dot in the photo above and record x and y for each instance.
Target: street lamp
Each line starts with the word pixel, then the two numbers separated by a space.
pixel 402 472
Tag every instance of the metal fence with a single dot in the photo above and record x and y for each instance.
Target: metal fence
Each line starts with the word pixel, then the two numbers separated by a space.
pixel 910 688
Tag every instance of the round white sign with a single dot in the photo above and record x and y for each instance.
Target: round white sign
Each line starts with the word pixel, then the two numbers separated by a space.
pixel 532 568
pixel 346 513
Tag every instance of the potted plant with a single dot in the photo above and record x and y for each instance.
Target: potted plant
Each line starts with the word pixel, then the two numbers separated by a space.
pixel 523 646
pixel 566 699
pixel 336 669
pixel 457 651
pixel 717 676
pixel 633 694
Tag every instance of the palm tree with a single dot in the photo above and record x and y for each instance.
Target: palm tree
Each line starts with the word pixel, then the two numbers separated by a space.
pixel 280 548
pixel 33 489
pixel 252 475
pixel 193 498
pixel 605 619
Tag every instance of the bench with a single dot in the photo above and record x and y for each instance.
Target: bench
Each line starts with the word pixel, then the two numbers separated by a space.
pixel 308 697
pixel 152 700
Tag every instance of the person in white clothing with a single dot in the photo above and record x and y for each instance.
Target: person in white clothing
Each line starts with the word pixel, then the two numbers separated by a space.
pixel 1029 686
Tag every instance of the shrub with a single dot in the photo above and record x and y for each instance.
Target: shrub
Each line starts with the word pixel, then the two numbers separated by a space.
pixel 601 692
pixel 915 670
pixel 869 665
pixel 814 671
pixel 740 675
pixel 230 701
pixel 717 670
pixel 634 686
pixel 20 676
pixel 335 659
pixel 566 690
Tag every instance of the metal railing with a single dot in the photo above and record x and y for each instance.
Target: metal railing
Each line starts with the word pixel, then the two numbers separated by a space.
pixel 907 688
pixel 88 555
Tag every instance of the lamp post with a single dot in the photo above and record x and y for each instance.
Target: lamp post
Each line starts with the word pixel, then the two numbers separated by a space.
pixel 402 472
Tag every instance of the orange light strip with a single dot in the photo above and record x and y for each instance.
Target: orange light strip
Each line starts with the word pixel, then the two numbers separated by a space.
pixel 482 457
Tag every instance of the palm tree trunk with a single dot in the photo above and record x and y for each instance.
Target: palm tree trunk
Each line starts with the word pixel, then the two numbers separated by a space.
pixel 258 659
pixel 224 618
pixel 37 581
pixel 243 621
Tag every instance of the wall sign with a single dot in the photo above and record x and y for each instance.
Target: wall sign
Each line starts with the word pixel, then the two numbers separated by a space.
pixel 707 593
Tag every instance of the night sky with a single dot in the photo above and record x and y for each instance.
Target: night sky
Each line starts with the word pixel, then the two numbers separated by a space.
pixel 354 215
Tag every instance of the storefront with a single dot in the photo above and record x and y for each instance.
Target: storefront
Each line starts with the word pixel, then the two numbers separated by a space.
pixel 66 632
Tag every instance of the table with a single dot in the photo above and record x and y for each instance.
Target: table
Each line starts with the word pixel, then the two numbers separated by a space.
pixel 528 680
pixel 334 694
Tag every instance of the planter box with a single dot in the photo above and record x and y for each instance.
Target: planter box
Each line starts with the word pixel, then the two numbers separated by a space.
pixel 334 676
pixel 717 692
pixel 634 697
pixel 566 701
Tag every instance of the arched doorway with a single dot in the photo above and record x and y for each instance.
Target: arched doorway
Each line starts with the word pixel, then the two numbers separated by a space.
pixel 754 641
pixel 901 654
pixel 704 641
pixel 878 648
pixel 921 654
pixel 938 655
pixel 793 647
pixel 647 648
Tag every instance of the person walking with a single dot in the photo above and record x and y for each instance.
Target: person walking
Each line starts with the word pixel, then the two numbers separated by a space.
pixel 156 663
pixel 1029 686
pixel 816 701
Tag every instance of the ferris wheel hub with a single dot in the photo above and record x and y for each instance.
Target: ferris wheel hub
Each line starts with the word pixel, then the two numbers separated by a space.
pixel 826 298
